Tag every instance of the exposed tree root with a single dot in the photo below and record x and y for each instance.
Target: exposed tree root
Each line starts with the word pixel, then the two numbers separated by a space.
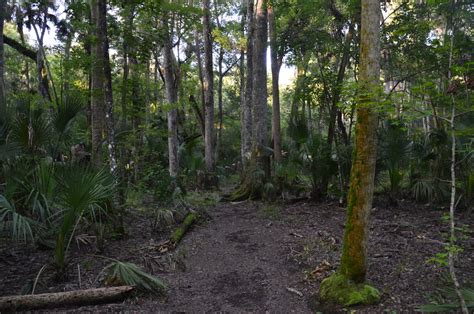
pixel 252 183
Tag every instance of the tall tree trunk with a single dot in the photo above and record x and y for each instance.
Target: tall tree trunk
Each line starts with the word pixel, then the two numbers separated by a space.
pixel 351 274
pixel 42 64
pixel 242 77
pixel 276 133
pixel 208 88
pixel 354 256
pixel 259 94
pixel 334 113
pixel 124 91
pixel 43 86
pixel 171 82
pixel 220 114
pixel 3 99
pixel 67 60
pixel 109 99
pixel 88 52
pixel 201 75
pixel 156 87
pixel 147 94
pixel 135 93
pixel 19 28
pixel 97 83
pixel 247 123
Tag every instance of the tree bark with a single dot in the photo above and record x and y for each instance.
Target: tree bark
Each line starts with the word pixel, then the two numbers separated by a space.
pixel 452 203
pixel 208 88
pixel 354 254
pixel 171 82
pixel 58 299
pixel 3 99
pixel 124 91
pixel 276 132
pixel 197 41
pixel 20 48
pixel 135 96
pixel 334 112
pixel 247 123
pixel 67 66
pixel 259 93
pixel 97 83
pixel 109 100
pixel 220 114
pixel 242 81
pixel 347 286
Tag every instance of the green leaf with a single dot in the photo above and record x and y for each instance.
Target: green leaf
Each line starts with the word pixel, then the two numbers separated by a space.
pixel 124 273
pixel 20 227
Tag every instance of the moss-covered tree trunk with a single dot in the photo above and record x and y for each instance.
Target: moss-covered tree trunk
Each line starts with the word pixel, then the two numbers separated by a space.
pixel 347 285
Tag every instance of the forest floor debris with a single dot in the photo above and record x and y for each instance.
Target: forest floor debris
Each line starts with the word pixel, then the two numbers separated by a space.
pixel 245 260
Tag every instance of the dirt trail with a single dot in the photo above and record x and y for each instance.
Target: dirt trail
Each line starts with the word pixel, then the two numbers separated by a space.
pixel 248 255
pixel 253 257
pixel 237 263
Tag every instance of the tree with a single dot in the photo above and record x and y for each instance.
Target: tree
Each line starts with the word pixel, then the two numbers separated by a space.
pixel 347 286
pixel 208 90
pixel 171 84
pixel 3 100
pixel 246 130
pixel 97 82
pixel 259 92
pixel 276 64
pixel 108 96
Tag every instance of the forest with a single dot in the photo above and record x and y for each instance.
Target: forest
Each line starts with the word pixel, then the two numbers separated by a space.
pixel 307 156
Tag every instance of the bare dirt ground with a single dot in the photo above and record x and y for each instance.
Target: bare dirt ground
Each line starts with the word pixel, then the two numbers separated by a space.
pixel 256 257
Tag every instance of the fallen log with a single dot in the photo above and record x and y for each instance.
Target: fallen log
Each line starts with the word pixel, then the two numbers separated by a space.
pixel 177 235
pixel 181 230
pixel 78 297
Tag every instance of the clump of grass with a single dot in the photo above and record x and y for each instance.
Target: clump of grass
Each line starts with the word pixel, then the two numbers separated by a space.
pixel 202 199
pixel 271 211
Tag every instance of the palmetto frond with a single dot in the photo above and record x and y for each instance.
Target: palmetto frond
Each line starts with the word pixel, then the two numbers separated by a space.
pixel 124 273
pixel 18 226
pixel 83 191
pixel 66 112
pixel 31 131
pixel 39 189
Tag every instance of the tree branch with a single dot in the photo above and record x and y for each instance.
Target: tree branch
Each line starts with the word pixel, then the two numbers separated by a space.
pixel 27 52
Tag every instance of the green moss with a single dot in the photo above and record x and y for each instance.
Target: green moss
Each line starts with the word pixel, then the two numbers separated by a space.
pixel 181 230
pixel 339 290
